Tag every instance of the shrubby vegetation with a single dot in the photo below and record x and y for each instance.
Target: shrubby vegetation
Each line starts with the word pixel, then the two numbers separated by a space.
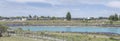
pixel 81 37
pixel 3 29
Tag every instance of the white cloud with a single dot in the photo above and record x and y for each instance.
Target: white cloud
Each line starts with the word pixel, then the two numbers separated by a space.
pixel 24 1
pixel 12 9
pixel 8 8
pixel 53 2
pixel 63 2
pixel 114 4
pixel 60 1
pixel 108 3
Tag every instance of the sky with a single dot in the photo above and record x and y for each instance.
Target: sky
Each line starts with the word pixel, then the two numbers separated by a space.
pixel 59 8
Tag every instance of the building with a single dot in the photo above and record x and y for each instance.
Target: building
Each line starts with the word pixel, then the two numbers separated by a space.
pixel 24 19
pixel 12 19
pixel 4 18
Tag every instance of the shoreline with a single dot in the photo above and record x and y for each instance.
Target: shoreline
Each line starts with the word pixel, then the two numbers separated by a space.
pixel 108 26
pixel 97 33
pixel 101 33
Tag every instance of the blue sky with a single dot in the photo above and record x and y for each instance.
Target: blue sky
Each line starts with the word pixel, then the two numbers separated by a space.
pixel 78 8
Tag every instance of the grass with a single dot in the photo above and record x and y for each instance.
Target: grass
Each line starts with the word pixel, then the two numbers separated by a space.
pixel 65 36
pixel 19 38
pixel 56 22
pixel 83 37
pixel 60 22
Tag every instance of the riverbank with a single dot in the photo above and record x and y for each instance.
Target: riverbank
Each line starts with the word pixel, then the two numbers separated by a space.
pixel 86 37
pixel 70 36
pixel 19 38
pixel 61 23
pixel 63 36
pixel 67 36
pixel 102 25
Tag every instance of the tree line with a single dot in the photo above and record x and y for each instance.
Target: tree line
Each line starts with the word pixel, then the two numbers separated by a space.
pixel 114 17
pixel 68 16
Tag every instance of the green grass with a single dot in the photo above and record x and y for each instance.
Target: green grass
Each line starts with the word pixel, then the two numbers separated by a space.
pixel 60 22
pixel 56 22
pixel 19 38
pixel 65 36
pixel 83 37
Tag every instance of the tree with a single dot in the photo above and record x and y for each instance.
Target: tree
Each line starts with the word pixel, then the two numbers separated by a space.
pixel 35 16
pixel 0 16
pixel 102 18
pixel 42 16
pixel 68 16
pixel 113 17
pixel 48 16
pixel 18 17
pixel 119 17
pixel 24 17
pixel 30 16
pixel 92 18
pixel 53 18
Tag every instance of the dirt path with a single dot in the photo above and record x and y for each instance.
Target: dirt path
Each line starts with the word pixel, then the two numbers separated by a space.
pixel 35 37
pixel 46 37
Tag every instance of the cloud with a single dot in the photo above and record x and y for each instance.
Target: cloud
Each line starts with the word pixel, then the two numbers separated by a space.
pixel 52 2
pixel 59 2
pixel 114 4
pixel 16 9
pixel 78 8
pixel 24 1
pixel 64 2
pixel 71 3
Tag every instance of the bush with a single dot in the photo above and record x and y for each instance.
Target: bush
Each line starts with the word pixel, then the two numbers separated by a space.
pixel 3 29
pixel 112 38
pixel 0 35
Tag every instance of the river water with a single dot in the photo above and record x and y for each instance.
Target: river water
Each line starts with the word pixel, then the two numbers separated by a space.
pixel 72 28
